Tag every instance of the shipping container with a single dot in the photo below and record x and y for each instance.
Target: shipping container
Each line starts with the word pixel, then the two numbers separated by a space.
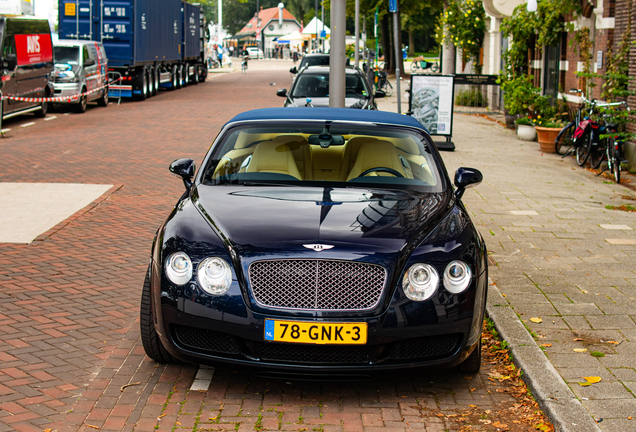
pixel 145 41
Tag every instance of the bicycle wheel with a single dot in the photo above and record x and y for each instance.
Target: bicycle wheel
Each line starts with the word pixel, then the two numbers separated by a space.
pixel 597 154
pixel 563 143
pixel 388 88
pixel 616 164
pixel 414 66
pixel 583 150
pixel 434 67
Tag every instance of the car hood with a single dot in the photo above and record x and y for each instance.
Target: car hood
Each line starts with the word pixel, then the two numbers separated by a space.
pixel 265 220
pixel 324 102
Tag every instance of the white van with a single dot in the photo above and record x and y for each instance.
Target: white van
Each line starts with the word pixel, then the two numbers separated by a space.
pixel 81 72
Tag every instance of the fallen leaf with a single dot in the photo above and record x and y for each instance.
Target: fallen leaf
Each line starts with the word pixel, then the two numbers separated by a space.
pixel 91 426
pixel 585 384
pixel 51 430
pixel 579 350
pixel 577 339
pixel 546 345
pixel 500 425
pixel 162 415
pixel 473 389
pixel 485 421
pixel 473 406
pixel 592 379
pixel 614 342
pixel 628 418
pixel 536 320
pixel 128 385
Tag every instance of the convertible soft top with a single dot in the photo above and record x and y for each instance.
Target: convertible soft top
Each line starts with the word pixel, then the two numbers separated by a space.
pixel 341 114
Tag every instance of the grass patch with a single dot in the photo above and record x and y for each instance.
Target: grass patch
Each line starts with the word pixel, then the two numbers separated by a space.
pixel 597 354
pixel 624 207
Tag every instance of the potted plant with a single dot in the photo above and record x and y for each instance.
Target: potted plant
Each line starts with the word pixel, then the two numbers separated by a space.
pixel 525 129
pixel 547 133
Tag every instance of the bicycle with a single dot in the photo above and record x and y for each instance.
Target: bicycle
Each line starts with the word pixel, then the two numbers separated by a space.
pixel 577 136
pixel 384 84
pixel 613 151
pixel 244 64
pixel 419 64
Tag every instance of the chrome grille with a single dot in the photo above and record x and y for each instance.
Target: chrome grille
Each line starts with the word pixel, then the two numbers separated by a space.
pixel 316 284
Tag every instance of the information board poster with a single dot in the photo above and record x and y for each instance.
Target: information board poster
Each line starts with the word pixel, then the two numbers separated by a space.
pixel 431 102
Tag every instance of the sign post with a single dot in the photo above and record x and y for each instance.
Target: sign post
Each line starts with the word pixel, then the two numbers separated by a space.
pixel 398 52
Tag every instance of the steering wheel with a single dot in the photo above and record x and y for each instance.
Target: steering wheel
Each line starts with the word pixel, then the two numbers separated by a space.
pixel 382 169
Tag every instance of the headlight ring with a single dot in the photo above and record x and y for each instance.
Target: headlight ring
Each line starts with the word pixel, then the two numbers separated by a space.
pixel 420 282
pixel 179 268
pixel 457 277
pixel 214 276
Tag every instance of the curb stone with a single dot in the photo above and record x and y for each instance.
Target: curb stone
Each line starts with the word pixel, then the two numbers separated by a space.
pixel 555 398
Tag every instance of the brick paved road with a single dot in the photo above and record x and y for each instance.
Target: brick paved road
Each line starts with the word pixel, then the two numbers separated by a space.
pixel 69 335
pixel 563 257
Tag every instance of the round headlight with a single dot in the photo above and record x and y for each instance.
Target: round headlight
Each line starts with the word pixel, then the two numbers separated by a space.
pixel 457 277
pixel 214 276
pixel 179 268
pixel 420 282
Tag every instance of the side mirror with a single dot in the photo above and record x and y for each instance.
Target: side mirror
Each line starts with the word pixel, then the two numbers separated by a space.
pixel 185 169
pixel 465 178
pixel 10 61
pixel 89 62
pixel 379 94
pixel 293 70
pixel 281 92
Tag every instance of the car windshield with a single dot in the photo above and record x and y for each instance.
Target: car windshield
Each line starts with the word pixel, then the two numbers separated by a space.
pixel 332 155
pixel 317 85
pixel 68 55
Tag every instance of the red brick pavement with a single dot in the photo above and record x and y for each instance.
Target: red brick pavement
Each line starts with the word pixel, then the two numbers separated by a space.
pixel 69 307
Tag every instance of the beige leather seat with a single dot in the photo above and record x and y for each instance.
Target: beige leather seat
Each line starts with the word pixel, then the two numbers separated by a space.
pixel 376 154
pixel 302 153
pixel 274 157
pixel 350 154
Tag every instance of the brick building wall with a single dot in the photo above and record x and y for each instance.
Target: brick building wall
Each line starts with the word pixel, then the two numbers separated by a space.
pixel 622 8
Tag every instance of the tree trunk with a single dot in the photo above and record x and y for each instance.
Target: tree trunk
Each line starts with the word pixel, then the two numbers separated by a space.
pixel 386 42
pixel 448 61
pixel 411 44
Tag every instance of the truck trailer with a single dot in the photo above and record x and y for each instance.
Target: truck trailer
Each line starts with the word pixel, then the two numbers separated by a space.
pixel 150 44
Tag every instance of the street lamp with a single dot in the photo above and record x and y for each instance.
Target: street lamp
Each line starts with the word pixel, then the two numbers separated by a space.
pixel 532 5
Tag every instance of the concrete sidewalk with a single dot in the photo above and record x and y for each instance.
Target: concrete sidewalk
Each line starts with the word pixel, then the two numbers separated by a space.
pixel 561 258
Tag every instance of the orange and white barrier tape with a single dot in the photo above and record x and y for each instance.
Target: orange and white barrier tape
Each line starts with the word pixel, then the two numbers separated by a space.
pixel 59 98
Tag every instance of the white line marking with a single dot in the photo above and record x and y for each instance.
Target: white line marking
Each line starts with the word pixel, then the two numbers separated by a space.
pixel 50 118
pixel 524 212
pixel 203 379
pixel 615 227
pixel 27 124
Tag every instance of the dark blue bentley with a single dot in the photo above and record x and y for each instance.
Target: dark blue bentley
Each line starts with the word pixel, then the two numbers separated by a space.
pixel 318 240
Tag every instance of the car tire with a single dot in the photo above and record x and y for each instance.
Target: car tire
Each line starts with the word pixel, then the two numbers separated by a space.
pixel 185 74
pixel 472 364
pixel 103 101
pixel 44 108
pixel 149 337
pixel 80 107
pixel 179 77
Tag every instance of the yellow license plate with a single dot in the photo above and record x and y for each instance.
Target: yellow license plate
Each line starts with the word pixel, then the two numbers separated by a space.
pixel 316 333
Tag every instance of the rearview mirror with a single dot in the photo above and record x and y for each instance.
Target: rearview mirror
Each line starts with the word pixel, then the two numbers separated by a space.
pixel 10 61
pixel 185 169
pixel 379 94
pixel 89 62
pixel 465 178
pixel 293 70
pixel 281 92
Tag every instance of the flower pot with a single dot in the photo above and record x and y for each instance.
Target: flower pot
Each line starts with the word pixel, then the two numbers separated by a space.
pixel 546 137
pixel 526 133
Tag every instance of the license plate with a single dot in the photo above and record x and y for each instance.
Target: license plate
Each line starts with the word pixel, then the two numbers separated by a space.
pixel 316 333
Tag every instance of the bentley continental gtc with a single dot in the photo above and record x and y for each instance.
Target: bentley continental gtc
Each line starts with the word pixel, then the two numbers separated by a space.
pixel 315 240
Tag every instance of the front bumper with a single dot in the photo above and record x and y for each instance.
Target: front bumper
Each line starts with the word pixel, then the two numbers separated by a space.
pixel 406 335
pixel 67 90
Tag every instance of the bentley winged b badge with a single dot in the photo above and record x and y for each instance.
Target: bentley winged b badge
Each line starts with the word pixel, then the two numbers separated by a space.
pixel 318 247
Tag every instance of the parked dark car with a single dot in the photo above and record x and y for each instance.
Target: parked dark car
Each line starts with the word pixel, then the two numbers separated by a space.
pixel 313 83
pixel 317 59
pixel 324 240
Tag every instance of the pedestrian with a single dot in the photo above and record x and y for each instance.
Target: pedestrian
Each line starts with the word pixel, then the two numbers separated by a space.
pixel 231 50
pixel 220 55
pixel 295 56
